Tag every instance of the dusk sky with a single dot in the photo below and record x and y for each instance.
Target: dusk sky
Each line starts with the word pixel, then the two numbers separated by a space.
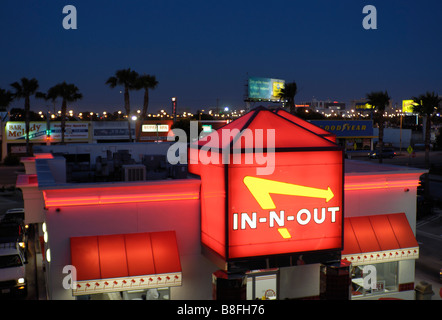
pixel 201 51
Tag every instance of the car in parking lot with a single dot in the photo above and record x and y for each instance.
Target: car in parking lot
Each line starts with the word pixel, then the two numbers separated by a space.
pixel 386 153
pixel 12 270
pixel 13 228
pixel 16 214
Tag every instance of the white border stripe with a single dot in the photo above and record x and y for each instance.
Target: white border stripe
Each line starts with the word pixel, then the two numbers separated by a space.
pixel 173 279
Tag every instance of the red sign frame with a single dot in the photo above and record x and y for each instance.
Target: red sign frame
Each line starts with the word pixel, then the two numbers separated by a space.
pixel 305 212
pixel 306 186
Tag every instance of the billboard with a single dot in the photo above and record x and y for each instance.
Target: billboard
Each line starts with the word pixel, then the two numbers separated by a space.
pixel 265 89
pixel 363 106
pixel 15 131
pixel 155 128
pixel 407 106
pixel 152 130
pixel 111 130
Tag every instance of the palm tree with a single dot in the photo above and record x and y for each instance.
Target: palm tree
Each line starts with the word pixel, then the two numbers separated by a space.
pixel 379 101
pixel 25 89
pixel 6 98
pixel 126 78
pixel 426 105
pixel 145 82
pixel 288 93
pixel 68 93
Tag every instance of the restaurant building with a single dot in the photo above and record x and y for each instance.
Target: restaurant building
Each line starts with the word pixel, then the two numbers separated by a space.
pixel 289 218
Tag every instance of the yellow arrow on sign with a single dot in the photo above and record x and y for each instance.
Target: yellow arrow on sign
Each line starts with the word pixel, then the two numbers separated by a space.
pixel 262 188
pixel 284 232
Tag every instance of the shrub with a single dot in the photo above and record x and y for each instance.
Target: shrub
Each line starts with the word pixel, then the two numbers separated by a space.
pixel 11 160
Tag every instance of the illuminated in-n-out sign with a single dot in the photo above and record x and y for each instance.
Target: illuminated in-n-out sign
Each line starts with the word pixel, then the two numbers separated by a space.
pixel 262 188
pixel 298 207
pixel 303 217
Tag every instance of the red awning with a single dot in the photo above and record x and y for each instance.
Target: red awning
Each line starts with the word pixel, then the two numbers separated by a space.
pixel 379 237
pixel 125 262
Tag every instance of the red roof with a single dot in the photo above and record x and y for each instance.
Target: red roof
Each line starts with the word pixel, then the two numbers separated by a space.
pixel 125 255
pixel 288 134
pixel 307 125
pixel 377 233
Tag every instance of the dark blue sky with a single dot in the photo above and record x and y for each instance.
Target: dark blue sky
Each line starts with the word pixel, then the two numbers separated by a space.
pixel 203 50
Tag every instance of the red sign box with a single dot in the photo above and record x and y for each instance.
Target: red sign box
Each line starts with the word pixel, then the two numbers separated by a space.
pixel 296 207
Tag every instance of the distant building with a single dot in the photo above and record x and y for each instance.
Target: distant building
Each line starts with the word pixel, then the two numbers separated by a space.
pixel 353 135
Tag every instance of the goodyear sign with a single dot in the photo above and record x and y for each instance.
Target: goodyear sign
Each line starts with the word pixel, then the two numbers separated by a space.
pixel 346 128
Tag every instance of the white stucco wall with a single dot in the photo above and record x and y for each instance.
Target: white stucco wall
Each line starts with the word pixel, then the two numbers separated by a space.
pixel 299 281
pixel 183 216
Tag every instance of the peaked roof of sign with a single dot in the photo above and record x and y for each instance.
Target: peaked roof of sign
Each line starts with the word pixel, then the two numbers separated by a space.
pixel 305 124
pixel 259 124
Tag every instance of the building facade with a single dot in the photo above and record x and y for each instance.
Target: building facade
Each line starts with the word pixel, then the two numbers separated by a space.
pixel 204 223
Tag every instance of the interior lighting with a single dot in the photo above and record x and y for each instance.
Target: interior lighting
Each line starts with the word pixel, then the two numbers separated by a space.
pixel 57 201
pixel 381 185
pixel 48 255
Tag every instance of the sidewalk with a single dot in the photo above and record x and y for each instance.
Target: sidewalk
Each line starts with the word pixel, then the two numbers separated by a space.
pixel 428 272
pixel 34 270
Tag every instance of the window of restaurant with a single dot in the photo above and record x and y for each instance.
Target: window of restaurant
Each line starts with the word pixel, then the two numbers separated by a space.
pixel 149 294
pixel 386 279
pixel 262 285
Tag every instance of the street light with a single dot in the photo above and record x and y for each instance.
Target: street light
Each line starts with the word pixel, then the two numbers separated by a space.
pixel 174 103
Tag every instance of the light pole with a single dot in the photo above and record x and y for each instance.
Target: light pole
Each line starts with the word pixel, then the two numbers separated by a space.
pixel 174 103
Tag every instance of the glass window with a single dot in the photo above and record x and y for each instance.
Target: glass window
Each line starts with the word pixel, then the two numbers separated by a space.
pixel 261 284
pixel 10 261
pixel 147 294
pixel 386 278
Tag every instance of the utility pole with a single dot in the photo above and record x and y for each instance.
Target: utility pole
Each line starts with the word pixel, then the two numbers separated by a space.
pixel 174 103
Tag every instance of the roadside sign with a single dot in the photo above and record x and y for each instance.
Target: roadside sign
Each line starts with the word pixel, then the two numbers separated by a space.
pixel 410 150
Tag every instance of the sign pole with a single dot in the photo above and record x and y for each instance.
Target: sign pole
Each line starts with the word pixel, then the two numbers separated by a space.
pixel 174 102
